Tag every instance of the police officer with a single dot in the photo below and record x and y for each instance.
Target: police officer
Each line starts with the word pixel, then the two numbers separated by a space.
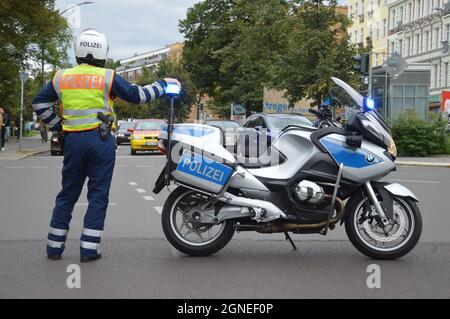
pixel 85 94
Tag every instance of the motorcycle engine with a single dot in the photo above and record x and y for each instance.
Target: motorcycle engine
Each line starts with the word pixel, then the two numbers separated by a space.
pixel 309 193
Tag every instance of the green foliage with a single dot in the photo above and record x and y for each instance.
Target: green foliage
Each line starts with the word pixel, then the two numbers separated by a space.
pixel 30 31
pixel 235 48
pixel 318 48
pixel 159 107
pixel 416 137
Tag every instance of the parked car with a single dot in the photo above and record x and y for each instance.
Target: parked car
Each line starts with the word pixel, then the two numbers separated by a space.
pixel 55 145
pixel 229 130
pixel 276 121
pixel 122 134
pixel 269 124
pixel 144 135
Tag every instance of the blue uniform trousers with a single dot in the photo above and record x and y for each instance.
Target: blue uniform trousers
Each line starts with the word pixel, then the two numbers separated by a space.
pixel 85 156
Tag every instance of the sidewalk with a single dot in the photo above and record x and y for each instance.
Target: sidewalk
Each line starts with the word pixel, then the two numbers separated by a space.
pixel 430 161
pixel 30 146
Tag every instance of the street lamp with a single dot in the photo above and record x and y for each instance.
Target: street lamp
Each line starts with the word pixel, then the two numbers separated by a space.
pixel 42 49
pixel 76 5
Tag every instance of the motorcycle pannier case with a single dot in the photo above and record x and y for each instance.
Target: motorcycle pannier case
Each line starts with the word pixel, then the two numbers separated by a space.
pixel 198 157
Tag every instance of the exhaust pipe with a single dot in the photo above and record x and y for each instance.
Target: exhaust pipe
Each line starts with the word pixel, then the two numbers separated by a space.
pixel 290 227
pixel 272 211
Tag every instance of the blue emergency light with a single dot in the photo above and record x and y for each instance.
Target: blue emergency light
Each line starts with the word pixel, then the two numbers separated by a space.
pixel 172 89
pixel 368 104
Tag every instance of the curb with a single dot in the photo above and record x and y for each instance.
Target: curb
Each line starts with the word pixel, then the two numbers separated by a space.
pixel 32 154
pixel 424 164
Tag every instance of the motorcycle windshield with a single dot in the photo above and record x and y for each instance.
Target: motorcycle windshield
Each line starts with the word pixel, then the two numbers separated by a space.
pixel 346 95
pixel 349 98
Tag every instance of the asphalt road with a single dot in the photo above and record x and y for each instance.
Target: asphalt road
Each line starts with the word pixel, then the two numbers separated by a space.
pixel 138 261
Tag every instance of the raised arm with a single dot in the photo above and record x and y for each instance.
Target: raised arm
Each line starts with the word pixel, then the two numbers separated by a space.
pixel 134 93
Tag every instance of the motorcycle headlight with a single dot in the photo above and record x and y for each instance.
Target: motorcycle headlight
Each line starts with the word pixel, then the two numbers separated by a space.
pixel 369 126
pixel 120 135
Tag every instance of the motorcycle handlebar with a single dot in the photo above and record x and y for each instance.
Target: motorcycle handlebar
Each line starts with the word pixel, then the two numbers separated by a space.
pixel 313 111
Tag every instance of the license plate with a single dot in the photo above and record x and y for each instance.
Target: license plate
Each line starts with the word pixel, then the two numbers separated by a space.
pixel 204 168
pixel 151 143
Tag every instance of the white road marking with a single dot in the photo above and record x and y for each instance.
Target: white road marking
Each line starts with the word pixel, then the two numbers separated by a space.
pixel 132 183
pixel 86 204
pixel 143 166
pixel 38 167
pixel 413 181
pixel 121 166
pixel 140 190
pixel 11 167
pixel 158 209
pixel 148 198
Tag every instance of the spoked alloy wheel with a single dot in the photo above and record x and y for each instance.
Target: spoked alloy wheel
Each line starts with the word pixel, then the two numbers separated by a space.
pixel 373 239
pixel 180 221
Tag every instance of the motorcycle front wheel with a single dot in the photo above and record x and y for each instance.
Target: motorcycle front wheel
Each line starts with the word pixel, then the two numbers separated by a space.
pixel 388 242
pixel 185 233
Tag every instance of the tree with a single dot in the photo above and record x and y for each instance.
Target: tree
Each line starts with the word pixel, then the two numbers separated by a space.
pixel 159 107
pixel 247 60
pixel 29 31
pixel 208 28
pixel 318 48
pixel 234 49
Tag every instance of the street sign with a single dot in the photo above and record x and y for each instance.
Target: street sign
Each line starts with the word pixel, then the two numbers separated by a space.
pixel 237 109
pixel 395 65
pixel 445 101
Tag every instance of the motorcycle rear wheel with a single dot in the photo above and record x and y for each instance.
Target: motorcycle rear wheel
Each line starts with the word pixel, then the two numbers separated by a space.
pixel 175 209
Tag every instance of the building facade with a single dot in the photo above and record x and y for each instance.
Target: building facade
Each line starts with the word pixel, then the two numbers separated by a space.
pixel 132 68
pixel 419 30
pixel 370 19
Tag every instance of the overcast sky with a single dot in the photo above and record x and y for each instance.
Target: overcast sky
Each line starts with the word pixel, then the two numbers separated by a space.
pixel 133 26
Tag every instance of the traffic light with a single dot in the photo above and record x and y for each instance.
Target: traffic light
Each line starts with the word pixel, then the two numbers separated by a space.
pixel 362 63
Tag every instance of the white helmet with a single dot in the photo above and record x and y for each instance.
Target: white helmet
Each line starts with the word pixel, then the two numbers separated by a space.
pixel 91 46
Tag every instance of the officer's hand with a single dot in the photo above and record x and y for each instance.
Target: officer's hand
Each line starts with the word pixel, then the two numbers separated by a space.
pixel 174 81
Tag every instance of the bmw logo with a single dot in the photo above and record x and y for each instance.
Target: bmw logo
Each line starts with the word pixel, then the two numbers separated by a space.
pixel 370 158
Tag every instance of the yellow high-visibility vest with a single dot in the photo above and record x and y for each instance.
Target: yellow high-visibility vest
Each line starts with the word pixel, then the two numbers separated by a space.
pixel 83 91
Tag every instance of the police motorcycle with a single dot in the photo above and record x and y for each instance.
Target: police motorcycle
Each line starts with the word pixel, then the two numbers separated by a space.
pixel 308 181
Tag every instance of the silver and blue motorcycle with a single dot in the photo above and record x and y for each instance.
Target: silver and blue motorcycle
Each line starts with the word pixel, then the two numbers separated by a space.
pixel 307 181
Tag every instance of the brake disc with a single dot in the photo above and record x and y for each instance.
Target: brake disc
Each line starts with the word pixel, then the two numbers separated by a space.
pixel 392 237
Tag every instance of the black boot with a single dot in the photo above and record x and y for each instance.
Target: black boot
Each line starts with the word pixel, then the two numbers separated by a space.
pixel 86 259
pixel 54 257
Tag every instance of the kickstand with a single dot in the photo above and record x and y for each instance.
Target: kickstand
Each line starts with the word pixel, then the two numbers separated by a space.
pixel 290 240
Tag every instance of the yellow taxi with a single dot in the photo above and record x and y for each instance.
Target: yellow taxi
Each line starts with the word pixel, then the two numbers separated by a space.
pixel 144 135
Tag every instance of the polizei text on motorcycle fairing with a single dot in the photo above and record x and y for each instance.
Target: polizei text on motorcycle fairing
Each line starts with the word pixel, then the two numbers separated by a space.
pixel 200 168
